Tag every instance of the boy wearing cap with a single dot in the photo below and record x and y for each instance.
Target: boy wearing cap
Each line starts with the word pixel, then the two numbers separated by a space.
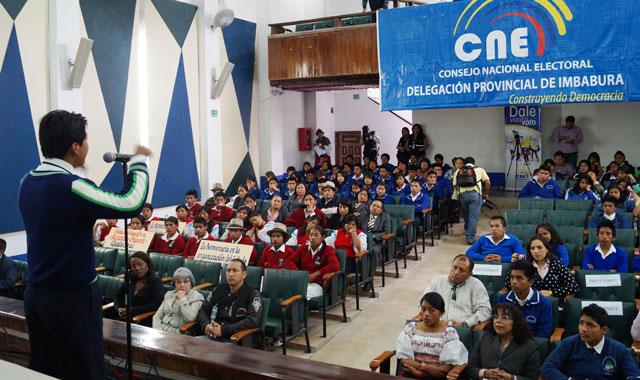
pixel 329 203
pixel 277 255
pixel 236 235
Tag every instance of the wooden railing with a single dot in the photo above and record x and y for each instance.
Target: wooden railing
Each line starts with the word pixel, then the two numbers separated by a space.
pixel 195 357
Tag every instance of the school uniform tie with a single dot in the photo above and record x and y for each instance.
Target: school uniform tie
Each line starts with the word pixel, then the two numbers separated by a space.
pixel 372 222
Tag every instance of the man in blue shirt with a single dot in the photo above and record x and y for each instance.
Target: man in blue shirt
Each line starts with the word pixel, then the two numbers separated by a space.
pixel 590 354
pixel 62 300
pixel 535 307
pixel 418 200
pixel 498 246
pixel 610 212
pixel 542 186
pixel 605 256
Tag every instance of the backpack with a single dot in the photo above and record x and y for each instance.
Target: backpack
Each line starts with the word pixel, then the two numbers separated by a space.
pixel 466 177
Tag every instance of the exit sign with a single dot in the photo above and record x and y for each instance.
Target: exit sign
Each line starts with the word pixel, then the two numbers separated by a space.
pixel 356 96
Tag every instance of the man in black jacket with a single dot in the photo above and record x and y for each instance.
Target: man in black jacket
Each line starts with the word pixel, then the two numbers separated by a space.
pixel 232 307
pixel 8 273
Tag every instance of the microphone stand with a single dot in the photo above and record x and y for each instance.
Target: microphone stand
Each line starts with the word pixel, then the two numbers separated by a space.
pixel 127 287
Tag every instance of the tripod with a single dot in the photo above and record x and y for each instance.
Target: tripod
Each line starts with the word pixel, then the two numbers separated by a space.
pixel 516 153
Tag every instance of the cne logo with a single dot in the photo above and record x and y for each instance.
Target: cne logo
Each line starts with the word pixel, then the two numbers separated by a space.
pixel 545 16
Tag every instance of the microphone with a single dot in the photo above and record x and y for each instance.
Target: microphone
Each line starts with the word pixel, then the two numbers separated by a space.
pixel 117 157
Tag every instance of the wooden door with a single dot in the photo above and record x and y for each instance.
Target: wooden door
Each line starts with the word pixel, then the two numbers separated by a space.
pixel 348 143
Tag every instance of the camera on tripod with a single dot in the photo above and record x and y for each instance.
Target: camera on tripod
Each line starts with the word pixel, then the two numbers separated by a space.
pixel 516 136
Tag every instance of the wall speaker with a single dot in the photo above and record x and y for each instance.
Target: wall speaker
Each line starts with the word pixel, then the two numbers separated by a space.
pixel 218 85
pixel 80 63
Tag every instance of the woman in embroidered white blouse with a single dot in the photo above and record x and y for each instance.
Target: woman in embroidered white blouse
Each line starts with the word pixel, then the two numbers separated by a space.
pixel 429 348
pixel 180 305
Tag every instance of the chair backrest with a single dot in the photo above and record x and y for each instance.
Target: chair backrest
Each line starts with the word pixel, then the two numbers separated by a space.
pixel 515 216
pixel 571 234
pixel 606 286
pixel 524 232
pixel 266 303
pixel 621 315
pixel 572 218
pixel 491 275
pixel 535 204
pixel 164 265
pixel 119 264
pixel 204 271
pixel 254 276
pixel 109 286
pixel 574 205
pixel 280 284
pixel 21 270
pixel 625 237
pixel 105 257
pixel 575 254
pixel 342 259
pixel 222 227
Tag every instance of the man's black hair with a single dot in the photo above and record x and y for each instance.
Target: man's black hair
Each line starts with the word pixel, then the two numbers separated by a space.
pixel 526 267
pixel 469 160
pixel 3 245
pixel 438 155
pixel 385 155
pixel 255 213
pixel 500 218
pixel 545 167
pixel 242 264
pixel 199 220
pixel 58 130
pixel 598 314
pixel 570 118
pixel 606 223
pixel 148 205
pixel 181 206
pixel 468 259
pixel 249 196
pixel 559 153
pixel 191 192
pixel 219 194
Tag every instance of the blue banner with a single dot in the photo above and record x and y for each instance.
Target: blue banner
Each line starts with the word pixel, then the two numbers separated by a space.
pixel 482 53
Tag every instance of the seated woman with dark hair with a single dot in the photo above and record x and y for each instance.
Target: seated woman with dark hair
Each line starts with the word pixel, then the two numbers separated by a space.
pixel 582 190
pixel 506 349
pixel 548 233
pixel 147 291
pixel 300 236
pixel 336 220
pixel 428 348
pixel 552 278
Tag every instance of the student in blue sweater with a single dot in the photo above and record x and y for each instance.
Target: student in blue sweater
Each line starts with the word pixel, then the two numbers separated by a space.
pixel 535 307
pixel 381 194
pixel 498 246
pixel 582 190
pixel 62 299
pixel 252 187
pixel 401 188
pixel 590 354
pixel 418 200
pixel 611 213
pixel 605 256
pixel 542 186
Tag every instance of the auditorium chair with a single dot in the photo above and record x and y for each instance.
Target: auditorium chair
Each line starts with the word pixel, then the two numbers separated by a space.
pixel 625 237
pixel 334 292
pixel 365 267
pixel 105 259
pixel 545 205
pixel 206 273
pixel 619 325
pixel 259 247
pixel 21 278
pixel 164 265
pixel 574 205
pixel 254 276
pixel 109 287
pixel 426 228
pixel 515 216
pixel 524 232
pixel 389 251
pixel 495 281
pixel 573 235
pixel 405 231
pixel 624 292
pixel 288 313
pixel 119 263
pixel 575 255
pixel 569 218
pixel 382 362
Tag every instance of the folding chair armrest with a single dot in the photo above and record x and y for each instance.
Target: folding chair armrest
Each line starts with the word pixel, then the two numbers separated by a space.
pixel 237 337
pixel 187 326
pixel 141 317
pixel 328 276
pixel 291 300
pixel 456 371
pixel 480 326
pixel 635 348
pixel 19 284
pixel 100 269
pixel 426 210
pixel 557 335
pixel 383 357
pixel 637 303
pixel 407 222
pixel 206 285
pixel 120 276
pixel 167 279
pixel 388 236
pixel 361 254
pixel 108 306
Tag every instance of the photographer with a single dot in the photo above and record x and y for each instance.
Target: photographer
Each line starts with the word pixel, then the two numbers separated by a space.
pixel 370 142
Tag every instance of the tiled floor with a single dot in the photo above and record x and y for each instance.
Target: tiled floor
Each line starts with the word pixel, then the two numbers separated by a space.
pixel 375 328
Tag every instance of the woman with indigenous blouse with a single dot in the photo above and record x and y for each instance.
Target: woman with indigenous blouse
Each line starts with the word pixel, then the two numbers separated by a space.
pixel 552 278
pixel 506 349
pixel 180 305
pixel 428 348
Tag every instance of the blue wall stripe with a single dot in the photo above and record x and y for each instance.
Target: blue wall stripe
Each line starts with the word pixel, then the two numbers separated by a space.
pixel 244 171
pixel 177 170
pixel 109 24
pixel 18 146
pixel 13 7
pixel 177 16
pixel 240 41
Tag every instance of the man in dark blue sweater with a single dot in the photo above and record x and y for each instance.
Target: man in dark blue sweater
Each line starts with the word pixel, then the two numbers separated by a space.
pixel 8 273
pixel 590 354
pixel 62 300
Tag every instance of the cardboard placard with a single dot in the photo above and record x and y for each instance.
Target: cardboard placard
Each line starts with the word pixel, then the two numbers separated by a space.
pixel 612 307
pixel 602 280
pixel 487 270
pixel 223 253
pixel 139 240
pixel 157 227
